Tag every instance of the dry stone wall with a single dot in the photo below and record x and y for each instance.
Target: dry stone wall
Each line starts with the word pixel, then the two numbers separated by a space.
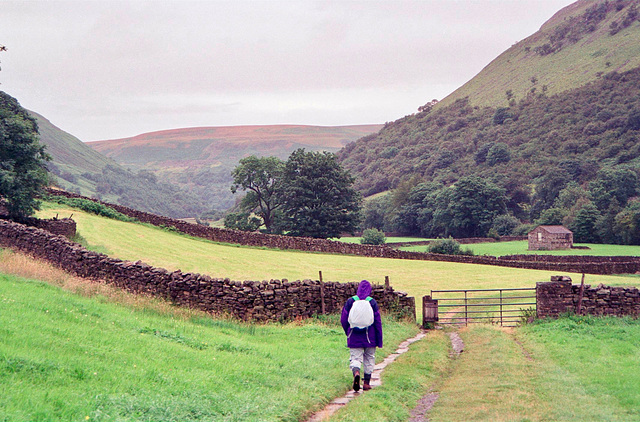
pixel 247 300
pixel 327 246
pixel 559 296
pixel 61 226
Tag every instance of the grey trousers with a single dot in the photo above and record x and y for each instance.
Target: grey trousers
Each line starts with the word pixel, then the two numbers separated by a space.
pixel 362 355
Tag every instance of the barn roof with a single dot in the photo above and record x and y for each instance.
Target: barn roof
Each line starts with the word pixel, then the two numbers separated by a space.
pixel 555 229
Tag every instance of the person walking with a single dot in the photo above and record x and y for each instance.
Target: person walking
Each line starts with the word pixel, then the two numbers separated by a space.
pixel 362 325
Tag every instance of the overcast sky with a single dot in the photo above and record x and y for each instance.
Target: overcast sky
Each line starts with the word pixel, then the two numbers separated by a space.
pixel 111 69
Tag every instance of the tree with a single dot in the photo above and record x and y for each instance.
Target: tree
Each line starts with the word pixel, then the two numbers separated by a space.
pixel 618 183
pixel 468 208
pixel 416 215
pixel 505 224
pixel 23 175
pixel 498 153
pixel 627 224
pixel 552 216
pixel 607 224
pixel 318 197
pixel 241 221
pixel 501 114
pixel 547 189
pixel 584 226
pixel 259 176
pixel 375 212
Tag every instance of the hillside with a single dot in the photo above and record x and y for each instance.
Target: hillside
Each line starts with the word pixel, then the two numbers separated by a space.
pixel 585 129
pixel 78 168
pixel 201 159
pixel 576 46
pixel 584 139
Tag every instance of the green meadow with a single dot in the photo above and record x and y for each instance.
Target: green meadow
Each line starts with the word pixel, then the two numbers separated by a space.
pixel 391 239
pixel 65 357
pixel 167 249
pixel 520 247
pixel 89 352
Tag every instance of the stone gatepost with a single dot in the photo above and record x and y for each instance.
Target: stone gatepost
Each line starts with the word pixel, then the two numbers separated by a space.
pixel 554 297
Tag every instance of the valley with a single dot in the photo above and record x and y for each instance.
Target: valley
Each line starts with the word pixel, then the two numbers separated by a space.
pixel 131 319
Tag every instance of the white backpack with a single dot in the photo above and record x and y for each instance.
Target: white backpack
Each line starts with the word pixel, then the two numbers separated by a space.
pixel 361 313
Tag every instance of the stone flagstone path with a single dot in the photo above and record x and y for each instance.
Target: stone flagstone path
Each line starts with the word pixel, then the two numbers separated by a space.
pixel 376 381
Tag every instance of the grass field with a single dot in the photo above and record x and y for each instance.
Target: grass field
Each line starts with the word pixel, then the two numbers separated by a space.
pixel 107 355
pixel 571 369
pixel 356 239
pixel 520 247
pixel 73 358
pixel 173 251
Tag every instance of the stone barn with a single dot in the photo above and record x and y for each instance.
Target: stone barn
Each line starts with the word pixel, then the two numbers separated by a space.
pixel 549 238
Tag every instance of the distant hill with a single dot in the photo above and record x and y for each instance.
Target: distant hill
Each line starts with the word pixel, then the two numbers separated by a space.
pixel 576 46
pixel 201 159
pixel 78 168
pixel 523 144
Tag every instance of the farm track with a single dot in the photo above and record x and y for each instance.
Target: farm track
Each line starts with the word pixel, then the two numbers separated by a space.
pixel 419 413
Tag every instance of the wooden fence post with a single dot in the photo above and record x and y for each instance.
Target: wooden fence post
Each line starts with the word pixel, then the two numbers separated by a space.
pixel 323 310
pixel 579 310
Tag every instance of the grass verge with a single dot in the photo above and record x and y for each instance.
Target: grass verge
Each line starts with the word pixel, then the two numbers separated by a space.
pixel 549 371
pixel 602 357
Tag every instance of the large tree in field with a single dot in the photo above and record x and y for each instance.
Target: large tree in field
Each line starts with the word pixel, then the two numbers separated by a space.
pixel 318 196
pixel 468 208
pixel 22 171
pixel 259 177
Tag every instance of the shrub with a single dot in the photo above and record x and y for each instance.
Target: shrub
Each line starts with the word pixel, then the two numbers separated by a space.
pixel 523 229
pixel 493 233
pixel 448 246
pixel 90 207
pixel 373 237
pixel 242 221
pixel 505 224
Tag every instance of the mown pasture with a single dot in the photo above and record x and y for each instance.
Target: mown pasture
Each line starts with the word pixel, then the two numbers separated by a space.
pixel 167 249
pixel 520 247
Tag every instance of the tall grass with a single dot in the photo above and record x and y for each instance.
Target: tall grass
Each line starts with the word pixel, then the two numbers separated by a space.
pixel 600 354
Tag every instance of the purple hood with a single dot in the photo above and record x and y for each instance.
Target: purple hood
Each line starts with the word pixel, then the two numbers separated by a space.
pixel 364 289
pixel 369 337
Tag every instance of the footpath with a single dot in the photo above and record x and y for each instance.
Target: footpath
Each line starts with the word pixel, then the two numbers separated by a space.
pixel 376 381
pixel 424 405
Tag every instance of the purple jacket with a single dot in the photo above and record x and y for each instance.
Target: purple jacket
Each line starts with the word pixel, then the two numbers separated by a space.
pixel 372 336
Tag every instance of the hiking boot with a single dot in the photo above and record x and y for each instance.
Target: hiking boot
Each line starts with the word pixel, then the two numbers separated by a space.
pixel 366 386
pixel 356 381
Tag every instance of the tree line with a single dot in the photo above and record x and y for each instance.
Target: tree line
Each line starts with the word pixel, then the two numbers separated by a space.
pixel 606 210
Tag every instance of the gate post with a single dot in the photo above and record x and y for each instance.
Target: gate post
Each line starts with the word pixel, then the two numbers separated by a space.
pixel 429 311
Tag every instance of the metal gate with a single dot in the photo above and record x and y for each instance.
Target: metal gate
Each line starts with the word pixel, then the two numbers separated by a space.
pixel 506 307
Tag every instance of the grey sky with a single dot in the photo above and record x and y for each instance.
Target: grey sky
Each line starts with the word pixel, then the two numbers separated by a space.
pixel 111 69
